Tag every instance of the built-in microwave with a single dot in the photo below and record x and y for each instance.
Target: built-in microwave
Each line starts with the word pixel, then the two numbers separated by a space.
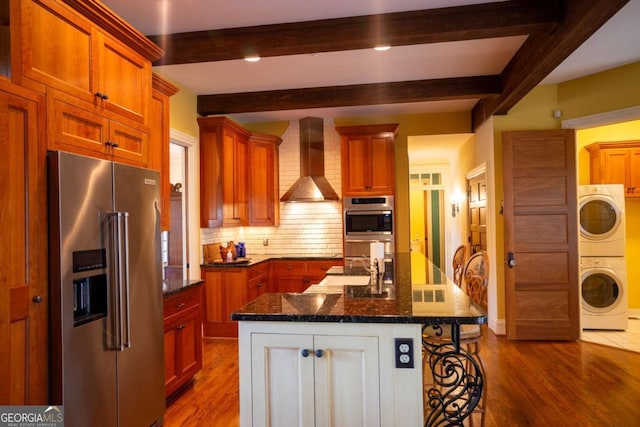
pixel 368 215
pixel 366 220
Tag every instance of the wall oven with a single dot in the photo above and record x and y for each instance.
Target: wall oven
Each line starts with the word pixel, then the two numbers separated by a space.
pixel 366 220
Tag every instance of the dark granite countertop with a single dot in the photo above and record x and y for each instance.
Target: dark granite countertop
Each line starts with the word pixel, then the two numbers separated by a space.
pixel 439 301
pixel 172 286
pixel 249 261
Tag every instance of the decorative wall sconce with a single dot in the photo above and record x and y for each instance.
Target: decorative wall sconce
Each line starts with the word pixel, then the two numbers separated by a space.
pixel 456 198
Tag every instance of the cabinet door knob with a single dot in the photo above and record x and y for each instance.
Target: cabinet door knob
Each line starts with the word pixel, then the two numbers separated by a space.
pixel 98 95
pixel 319 353
pixel 182 326
pixel 182 304
pixel 37 299
pixel 305 352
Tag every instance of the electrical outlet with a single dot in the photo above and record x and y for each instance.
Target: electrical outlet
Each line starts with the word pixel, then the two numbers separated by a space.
pixel 404 352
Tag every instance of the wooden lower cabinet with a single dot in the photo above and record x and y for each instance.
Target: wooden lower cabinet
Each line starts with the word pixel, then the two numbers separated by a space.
pixel 226 289
pixel 182 339
pixel 325 374
pixel 297 275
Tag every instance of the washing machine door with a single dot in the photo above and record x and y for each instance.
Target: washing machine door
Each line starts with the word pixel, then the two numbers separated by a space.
pixel 601 290
pixel 599 217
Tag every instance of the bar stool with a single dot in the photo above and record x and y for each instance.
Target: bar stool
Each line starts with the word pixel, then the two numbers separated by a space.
pixel 476 278
pixel 459 258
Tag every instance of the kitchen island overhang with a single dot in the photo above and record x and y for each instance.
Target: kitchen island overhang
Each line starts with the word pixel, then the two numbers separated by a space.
pixel 283 337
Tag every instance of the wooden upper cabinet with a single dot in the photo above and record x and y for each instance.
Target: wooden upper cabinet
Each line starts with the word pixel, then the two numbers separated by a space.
pixel 101 70
pixel 238 175
pixel 124 80
pixel 368 159
pixel 616 162
pixel 223 172
pixel 264 205
pixel 75 126
pixel 235 145
pixel 45 58
pixel 159 126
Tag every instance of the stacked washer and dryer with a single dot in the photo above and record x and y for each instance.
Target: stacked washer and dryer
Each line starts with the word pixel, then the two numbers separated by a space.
pixel 603 272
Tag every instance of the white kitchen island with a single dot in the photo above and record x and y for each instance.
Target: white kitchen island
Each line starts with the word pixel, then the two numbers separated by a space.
pixel 345 359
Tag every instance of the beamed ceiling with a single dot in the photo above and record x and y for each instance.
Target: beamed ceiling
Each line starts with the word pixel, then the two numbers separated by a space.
pixel 549 32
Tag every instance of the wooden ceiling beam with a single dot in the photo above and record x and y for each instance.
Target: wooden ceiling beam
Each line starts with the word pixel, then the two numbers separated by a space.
pixel 499 19
pixel 542 53
pixel 351 95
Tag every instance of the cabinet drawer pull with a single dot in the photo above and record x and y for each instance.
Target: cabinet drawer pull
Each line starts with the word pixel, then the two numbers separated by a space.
pixel 305 352
pixel 182 304
pixel 319 353
pixel 182 326
pixel 259 285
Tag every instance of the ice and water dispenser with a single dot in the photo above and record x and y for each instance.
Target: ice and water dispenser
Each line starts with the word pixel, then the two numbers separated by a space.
pixel 90 289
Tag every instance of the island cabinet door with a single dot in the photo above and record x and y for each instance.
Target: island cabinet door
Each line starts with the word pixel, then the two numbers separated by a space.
pixel 282 391
pixel 314 380
pixel 347 381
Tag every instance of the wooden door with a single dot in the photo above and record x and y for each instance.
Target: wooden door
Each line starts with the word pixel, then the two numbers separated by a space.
pixel 541 231
pixel 23 268
pixel 477 194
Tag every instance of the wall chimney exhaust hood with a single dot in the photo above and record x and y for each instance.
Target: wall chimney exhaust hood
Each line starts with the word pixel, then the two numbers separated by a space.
pixel 312 186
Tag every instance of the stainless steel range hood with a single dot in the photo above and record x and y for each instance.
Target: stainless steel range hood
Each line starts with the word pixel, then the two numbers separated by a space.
pixel 312 186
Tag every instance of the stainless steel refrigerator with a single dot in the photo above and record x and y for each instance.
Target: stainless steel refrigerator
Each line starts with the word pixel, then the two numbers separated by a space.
pixel 107 349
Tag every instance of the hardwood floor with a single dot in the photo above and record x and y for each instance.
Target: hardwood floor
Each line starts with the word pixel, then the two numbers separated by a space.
pixel 528 383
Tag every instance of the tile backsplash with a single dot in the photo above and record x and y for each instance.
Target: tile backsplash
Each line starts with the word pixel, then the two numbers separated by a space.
pixel 306 229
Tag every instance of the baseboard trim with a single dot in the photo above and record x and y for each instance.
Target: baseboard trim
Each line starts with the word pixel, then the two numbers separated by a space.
pixel 498 326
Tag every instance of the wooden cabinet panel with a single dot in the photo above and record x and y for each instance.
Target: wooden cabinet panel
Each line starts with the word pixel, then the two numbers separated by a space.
pixel 264 204
pixel 234 178
pixel 368 161
pixel 102 70
pixel 225 291
pixel 182 338
pixel 76 127
pixel 238 175
pixel 24 343
pixel 223 172
pixel 298 275
pixel 125 80
pixel 616 162
pixel 45 57
pixel 158 158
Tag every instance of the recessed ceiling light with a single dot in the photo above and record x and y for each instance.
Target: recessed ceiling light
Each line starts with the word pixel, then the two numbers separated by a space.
pixel 252 58
pixel 382 48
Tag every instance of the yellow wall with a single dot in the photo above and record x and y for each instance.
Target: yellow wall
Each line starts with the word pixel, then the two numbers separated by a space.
pixel 618 132
pixel 184 112
pixel 606 91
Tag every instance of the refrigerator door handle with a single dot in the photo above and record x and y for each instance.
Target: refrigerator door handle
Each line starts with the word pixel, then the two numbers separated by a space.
pixel 120 275
pixel 125 279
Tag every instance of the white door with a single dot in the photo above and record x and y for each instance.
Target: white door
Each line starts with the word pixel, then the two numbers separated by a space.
pixel 282 392
pixel 347 381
